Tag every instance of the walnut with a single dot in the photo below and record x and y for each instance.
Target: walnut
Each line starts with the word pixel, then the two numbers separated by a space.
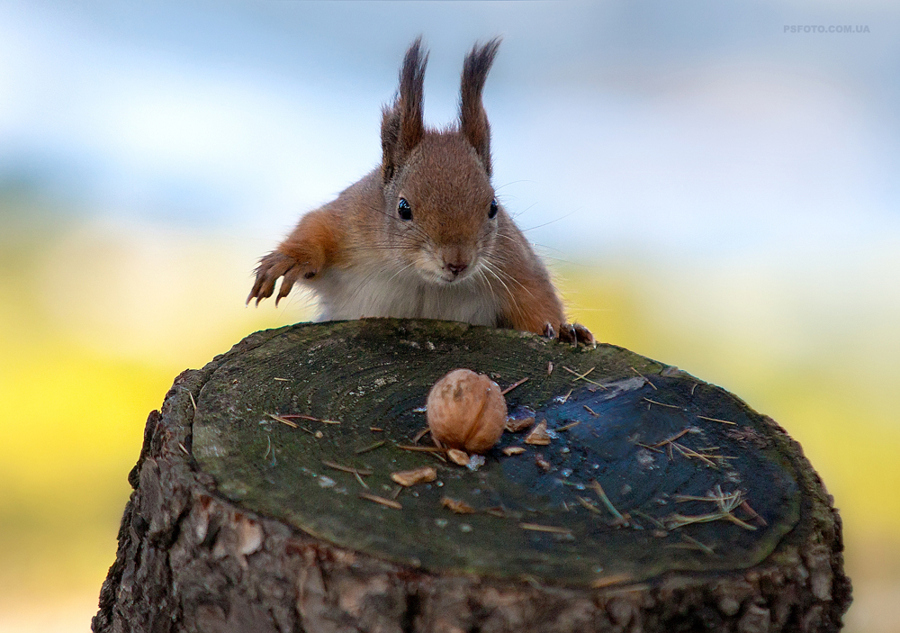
pixel 466 411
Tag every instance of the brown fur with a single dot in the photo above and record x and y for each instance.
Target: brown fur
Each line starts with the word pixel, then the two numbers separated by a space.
pixel 451 259
pixel 472 117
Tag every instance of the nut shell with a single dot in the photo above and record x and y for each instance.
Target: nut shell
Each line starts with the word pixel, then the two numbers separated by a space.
pixel 466 411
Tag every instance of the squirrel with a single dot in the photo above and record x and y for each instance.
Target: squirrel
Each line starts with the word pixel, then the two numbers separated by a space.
pixel 423 235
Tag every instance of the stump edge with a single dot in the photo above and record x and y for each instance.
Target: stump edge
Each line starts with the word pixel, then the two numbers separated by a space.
pixel 273 577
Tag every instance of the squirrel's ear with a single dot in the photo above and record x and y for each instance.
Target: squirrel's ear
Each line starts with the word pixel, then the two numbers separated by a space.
pixel 402 124
pixel 472 118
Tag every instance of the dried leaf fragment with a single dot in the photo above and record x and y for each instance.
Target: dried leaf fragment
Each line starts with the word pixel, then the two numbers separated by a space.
pixel 458 457
pixel 515 426
pixel 513 450
pixel 421 475
pixel 539 436
pixel 457 506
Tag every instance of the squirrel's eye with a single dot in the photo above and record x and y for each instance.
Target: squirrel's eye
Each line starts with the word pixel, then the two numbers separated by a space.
pixel 404 209
pixel 494 208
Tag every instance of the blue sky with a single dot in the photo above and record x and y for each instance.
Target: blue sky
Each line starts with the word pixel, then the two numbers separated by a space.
pixel 701 128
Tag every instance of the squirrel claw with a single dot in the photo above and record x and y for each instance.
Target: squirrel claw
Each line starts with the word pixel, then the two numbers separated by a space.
pixel 583 335
pixel 287 283
pixel 567 333
pixel 549 332
pixel 576 334
pixel 270 269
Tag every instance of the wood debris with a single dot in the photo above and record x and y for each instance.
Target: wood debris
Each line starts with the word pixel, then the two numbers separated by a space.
pixel 588 505
pixel 283 420
pixel 346 469
pixel 370 447
pixel 669 440
pixel 408 478
pixel 706 549
pixel 301 416
pixel 753 514
pixel 596 487
pixel 662 404
pixel 513 386
pixel 703 457
pixel 703 417
pixel 421 449
pixel 584 376
pixel 644 377
pixel 726 503
pixel 193 402
pixel 552 529
pixel 542 463
pixel 748 434
pixel 390 503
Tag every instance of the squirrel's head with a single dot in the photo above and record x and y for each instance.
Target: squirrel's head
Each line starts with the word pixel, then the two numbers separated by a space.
pixel 440 207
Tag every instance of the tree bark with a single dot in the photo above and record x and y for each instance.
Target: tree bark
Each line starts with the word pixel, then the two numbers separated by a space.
pixel 263 499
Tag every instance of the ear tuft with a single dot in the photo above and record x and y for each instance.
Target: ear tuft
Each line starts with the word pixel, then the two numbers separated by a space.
pixel 402 123
pixel 472 117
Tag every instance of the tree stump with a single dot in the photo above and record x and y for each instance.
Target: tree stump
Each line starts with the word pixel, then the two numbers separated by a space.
pixel 263 498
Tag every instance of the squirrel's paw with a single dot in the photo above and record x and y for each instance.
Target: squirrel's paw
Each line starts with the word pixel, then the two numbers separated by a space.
pixel 275 265
pixel 573 333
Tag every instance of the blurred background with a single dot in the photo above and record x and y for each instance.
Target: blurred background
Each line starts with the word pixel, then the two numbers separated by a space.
pixel 711 187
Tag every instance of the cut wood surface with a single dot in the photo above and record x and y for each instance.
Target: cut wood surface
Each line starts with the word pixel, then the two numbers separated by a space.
pixel 264 497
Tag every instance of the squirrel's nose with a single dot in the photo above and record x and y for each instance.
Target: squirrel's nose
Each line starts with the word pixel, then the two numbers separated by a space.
pixel 457 268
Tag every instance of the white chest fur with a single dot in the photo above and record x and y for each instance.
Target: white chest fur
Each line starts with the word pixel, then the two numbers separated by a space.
pixel 354 293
